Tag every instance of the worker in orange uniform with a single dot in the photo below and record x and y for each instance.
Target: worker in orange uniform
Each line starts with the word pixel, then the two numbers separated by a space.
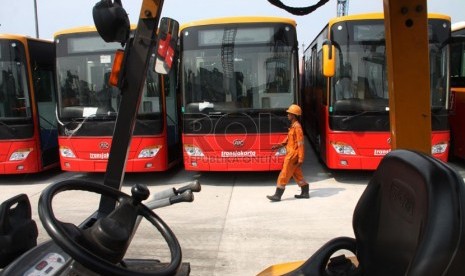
pixel 294 159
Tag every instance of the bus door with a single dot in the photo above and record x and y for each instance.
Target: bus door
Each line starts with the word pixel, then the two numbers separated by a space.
pixel 45 95
pixel 164 61
pixel 172 117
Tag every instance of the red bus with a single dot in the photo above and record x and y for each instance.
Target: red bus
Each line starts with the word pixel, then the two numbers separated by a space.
pixel 457 79
pixel 346 113
pixel 88 107
pixel 238 76
pixel 28 129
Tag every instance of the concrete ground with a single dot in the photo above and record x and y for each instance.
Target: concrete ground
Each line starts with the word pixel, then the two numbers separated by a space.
pixel 231 228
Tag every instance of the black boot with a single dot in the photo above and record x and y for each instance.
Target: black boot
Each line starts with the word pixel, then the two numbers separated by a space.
pixel 304 192
pixel 277 195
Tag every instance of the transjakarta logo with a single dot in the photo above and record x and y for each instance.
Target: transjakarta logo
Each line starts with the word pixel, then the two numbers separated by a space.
pixel 249 153
pixel 381 152
pixel 102 155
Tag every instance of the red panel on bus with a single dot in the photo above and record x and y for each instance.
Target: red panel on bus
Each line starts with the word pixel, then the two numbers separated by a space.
pixel 30 164
pixel 92 154
pixel 250 152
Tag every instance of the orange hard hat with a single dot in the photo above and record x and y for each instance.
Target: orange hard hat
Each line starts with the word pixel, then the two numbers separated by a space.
pixel 294 109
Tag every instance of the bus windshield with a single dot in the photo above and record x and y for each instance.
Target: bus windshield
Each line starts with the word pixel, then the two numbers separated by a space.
pixel 360 83
pixel 84 63
pixel 232 67
pixel 14 92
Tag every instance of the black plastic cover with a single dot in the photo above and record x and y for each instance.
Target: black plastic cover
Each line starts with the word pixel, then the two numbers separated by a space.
pixel 18 232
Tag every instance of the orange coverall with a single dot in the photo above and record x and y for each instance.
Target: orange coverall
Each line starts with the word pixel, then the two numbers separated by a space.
pixel 294 154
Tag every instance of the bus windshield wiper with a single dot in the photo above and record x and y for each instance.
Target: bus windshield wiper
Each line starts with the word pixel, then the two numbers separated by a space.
pixel 76 120
pixel 216 113
pixel 102 117
pixel 276 115
pixel 11 129
pixel 348 118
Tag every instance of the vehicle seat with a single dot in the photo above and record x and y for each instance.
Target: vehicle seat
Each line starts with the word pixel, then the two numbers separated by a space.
pixel 408 221
pixel 18 231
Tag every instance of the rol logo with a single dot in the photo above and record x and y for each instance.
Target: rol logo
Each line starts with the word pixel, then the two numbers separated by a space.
pixel 238 143
pixel 104 145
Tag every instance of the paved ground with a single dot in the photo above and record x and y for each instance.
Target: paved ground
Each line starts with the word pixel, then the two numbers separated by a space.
pixel 230 228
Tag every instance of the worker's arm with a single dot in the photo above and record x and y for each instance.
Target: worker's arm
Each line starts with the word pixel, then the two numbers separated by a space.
pixel 300 145
pixel 282 144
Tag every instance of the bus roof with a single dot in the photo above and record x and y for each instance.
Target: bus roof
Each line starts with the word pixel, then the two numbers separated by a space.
pixel 82 29
pixel 22 38
pixel 239 19
pixel 458 26
pixel 367 16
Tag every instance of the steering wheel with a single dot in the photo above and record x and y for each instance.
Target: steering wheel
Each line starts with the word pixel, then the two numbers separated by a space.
pixel 74 240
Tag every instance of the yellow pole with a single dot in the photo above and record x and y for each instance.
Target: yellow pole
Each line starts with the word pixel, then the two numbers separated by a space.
pixel 408 74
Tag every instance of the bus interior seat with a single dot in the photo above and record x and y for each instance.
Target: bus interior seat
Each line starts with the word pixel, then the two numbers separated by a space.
pixel 408 221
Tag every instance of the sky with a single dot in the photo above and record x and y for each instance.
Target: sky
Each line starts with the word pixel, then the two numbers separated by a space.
pixel 54 15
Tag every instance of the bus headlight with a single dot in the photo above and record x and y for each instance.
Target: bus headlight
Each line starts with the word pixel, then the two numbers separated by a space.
pixel 439 148
pixel 67 152
pixel 281 151
pixel 343 148
pixel 192 150
pixel 20 154
pixel 149 152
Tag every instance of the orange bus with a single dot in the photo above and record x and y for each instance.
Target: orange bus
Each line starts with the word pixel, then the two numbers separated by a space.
pixel 346 114
pixel 28 129
pixel 238 75
pixel 88 107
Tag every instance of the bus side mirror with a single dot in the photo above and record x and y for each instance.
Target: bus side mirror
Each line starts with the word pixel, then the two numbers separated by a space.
pixel 167 41
pixel 329 55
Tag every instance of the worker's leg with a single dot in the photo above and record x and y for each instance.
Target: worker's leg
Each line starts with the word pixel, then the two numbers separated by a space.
pixel 283 178
pixel 299 179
